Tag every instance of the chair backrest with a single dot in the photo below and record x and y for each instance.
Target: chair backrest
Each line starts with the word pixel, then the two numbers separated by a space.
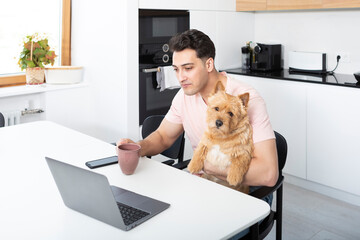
pixel 176 151
pixel 281 146
pixel 2 120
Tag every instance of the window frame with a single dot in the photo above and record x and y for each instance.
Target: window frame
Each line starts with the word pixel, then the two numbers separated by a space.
pixel 19 79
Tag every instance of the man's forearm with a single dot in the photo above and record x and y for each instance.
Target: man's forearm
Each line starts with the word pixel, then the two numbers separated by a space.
pixel 152 145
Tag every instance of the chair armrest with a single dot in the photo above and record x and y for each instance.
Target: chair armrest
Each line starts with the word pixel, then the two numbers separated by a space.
pixel 264 191
pixel 181 165
pixel 168 162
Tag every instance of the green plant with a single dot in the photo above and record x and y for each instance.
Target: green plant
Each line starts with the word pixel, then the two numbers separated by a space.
pixel 39 55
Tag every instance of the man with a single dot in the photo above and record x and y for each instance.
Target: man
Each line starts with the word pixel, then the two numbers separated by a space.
pixel 193 63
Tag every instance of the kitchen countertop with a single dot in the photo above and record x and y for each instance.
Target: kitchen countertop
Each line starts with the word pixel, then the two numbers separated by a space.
pixel 344 80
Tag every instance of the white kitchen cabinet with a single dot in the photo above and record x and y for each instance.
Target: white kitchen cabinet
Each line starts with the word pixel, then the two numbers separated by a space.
pixel 321 125
pixel 286 105
pixel 333 137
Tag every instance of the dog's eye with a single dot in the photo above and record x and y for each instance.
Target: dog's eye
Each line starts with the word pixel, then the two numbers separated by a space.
pixel 231 114
pixel 216 108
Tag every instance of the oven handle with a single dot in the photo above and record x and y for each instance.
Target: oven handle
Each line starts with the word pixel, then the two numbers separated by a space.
pixel 151 70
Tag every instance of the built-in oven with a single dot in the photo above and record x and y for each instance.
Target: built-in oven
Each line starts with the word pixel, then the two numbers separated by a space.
pixel 156 27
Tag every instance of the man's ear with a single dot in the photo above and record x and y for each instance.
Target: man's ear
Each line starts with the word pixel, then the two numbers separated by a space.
pixel 210 64
pixel 244 98
pixel 219 87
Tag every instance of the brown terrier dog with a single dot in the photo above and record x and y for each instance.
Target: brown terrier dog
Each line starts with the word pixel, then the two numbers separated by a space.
pixel 227 142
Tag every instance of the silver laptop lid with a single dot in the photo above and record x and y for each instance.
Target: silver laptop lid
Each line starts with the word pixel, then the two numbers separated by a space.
pixel 86 192
pixel 90 193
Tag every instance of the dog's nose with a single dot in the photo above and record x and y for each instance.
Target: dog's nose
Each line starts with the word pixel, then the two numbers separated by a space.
pixel 218 123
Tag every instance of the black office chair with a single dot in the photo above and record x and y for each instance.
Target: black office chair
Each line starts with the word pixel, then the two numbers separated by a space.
pixel 260 231
pixel 176 151
pixel 2 120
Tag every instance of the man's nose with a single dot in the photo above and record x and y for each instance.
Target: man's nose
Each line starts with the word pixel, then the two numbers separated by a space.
pixel 181 75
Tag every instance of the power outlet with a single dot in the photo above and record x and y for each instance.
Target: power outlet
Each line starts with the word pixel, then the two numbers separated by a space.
pixel 345 57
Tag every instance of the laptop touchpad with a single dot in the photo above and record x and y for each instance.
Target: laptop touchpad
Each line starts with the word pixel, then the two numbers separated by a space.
pixel 117 191
pixel 130 198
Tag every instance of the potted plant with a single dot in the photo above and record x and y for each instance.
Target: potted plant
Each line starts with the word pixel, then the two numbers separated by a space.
pixel 35 54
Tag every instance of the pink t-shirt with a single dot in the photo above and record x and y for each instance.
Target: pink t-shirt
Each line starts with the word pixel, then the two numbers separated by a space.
pixel 190 111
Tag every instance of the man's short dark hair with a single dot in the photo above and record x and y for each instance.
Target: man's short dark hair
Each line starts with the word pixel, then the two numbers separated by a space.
pixel 193 39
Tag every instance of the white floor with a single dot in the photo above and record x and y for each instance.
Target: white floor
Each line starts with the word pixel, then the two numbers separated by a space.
pixel 309 215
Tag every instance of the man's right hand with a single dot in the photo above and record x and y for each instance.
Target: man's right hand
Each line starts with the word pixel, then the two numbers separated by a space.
pixel 124 140
pixel 157 141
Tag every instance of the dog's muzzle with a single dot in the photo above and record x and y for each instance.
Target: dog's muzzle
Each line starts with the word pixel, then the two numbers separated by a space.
pixel 218 123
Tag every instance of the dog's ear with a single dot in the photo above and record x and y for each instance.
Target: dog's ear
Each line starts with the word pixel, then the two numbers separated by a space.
pixel 219 87
pixel 244 98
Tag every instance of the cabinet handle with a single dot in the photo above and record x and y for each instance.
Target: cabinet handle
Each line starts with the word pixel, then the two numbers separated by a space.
pixel 150 70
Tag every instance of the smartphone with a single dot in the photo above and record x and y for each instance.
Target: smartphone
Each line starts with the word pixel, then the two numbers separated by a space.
pixel 102 162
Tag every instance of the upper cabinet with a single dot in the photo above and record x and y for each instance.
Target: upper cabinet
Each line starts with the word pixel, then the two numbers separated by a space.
pixel 263 5
pixel 250 5
pixel 341 3
pixel 293 4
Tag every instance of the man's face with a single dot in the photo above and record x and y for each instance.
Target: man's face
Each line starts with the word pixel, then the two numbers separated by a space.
pixel 190 70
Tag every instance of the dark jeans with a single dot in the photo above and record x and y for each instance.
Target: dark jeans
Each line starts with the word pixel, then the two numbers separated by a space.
pixel 267 199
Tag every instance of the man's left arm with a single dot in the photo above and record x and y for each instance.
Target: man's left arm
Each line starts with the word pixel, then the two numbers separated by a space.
pixel 263 169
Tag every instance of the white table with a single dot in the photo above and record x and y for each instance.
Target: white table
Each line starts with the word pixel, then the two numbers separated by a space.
pixel 31 207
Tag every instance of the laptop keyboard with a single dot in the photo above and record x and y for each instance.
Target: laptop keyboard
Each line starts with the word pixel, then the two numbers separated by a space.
pixel 130 214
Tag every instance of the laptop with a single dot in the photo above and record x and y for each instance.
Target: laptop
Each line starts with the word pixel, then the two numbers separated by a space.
pixel 91 194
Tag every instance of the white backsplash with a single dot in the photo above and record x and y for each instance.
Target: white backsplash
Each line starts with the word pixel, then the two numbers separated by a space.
pixel 330 31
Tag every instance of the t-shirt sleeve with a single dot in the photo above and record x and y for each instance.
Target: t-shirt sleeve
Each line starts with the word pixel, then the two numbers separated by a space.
pixel 258 116
pixel 259 119
pixel 174 114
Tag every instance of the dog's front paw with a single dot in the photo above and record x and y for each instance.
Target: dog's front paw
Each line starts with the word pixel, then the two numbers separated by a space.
pixel 195 166
pixel 234 177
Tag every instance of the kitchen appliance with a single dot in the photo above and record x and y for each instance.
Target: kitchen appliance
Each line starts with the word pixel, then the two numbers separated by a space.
pixel 245 57
pixel 266 57
pixel 308 62
pixel 156 27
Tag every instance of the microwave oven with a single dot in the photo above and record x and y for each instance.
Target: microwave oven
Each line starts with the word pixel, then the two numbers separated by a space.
pixel 158 26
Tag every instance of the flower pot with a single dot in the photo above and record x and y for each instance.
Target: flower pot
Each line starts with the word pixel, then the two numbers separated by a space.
pixel 35 75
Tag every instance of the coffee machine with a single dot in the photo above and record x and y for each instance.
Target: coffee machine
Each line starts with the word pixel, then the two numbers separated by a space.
pixel 265 57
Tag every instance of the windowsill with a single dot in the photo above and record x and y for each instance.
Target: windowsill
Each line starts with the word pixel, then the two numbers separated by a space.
pixel 30 89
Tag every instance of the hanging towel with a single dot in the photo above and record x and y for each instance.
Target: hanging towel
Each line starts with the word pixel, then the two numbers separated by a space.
pixel 166 78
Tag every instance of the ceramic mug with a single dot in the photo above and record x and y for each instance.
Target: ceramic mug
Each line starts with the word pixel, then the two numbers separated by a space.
pixel 128 157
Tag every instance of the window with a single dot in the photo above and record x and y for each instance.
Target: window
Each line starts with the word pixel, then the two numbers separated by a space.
pixel 19 18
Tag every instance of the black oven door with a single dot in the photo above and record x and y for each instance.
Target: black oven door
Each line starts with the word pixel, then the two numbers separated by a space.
pixel 151 100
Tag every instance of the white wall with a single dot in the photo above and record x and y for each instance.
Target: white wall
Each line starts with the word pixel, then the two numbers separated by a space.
pixel 104 41
pixel 217 5
pixel 329 31
pixel 229 30
pixel 19 103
